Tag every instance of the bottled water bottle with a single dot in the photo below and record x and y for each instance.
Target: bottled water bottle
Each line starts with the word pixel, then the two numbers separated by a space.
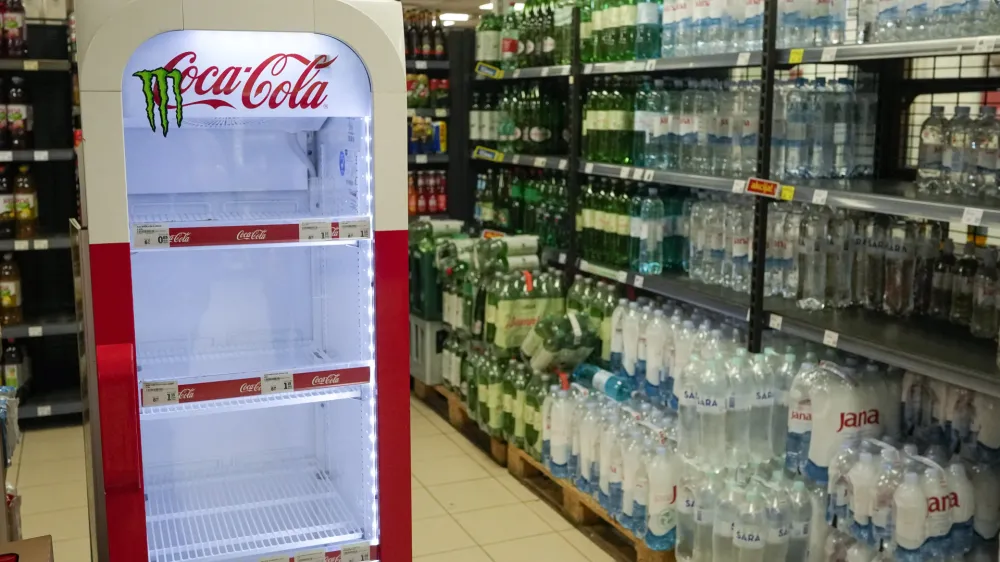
pixel 668 35
pixel 588 432
pixel 562 415
pixel 986 143
pixel 748 534
pixel 630 339
pixel 686 505
pixel 836 25
pixel 761 409
pixel 726 136
pixel 688 129
pixel 749 108
pixel 705 111
pixel 661 522
pixel 811 265
pixel 713 391
pixel 656 336
pixel 799 420
pixel 610 458
pixel 684 30
pixel 883 516
pixel 948 19
pixel 818 22
pixel 986 484
pixel 640 361
pixel 640 494
pixel 963 508
pixel 778 514
pixel 547 404
pixel 651 235
pixel 842 104
pixel 741 388
pixel 783 378
pixel 910 507
pixel 711 27
pixel 800 512
pixel 689 435
pixel 789 24
pixel 727 513
pixel 820 130
pixel 956 162
pixel 938 522
pixel 618 336
pixel 683 343
pixel 715 239
pixel 916 19
pixel 887 21
pixel 862 480
pixel 749 35
pixel 706 501
pixel 633 455
pixel 931 152
pixel 798 115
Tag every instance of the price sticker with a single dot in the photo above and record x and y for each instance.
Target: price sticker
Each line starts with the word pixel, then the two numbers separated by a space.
pixel 310 556
pixel 540 162
pixel 31 65
pixel 638 281
pixel 563 163
pixel 650 65
pixel 420 159
pixel 150 236
pixel 44 411
pixel 743 59
pixel 972 216
pixel 787 193
pixel 41 244
pixel 6 156
pixel 570 80
pixel 35 331
pixel 159 393
pixel 359 228
pixel 585 266
pixel 829 54
pixel 515 159
pixel 774 322
pixel 411 112
pixel 589 168
pixel 830 338
pixel 315 230
pixel 357 552
pixel 795 56
pixel 274 558
pixel 41 156
pixel 748 315
pixel 273 383
pixel 516 73
pixel 420 64
pixel 634 66
pixel 819 197
pixel 623 172
pixel 637 174
pixel 588 68
pixel 562 258
pixel 20 245
pixel 440 112
pixel 621 276
pixel 648 175
pixel 545 70
pixel 985 44
pixel 739 186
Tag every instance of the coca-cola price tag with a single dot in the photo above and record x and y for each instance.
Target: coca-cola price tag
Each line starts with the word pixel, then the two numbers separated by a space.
pixel 40 244
pixel 150 236
pixel 273 383
pixel 35 331
pixel 315 230
pixel 624 172
pixel 774 322
pixel 31 65
pixel 830 338
pixel 358 228
pixel 563 163
pixel 159 393
pixel 41 156
pixel 972 216
pixel 310 556
pixel 357 552
pixel 420 159
pixel 20 245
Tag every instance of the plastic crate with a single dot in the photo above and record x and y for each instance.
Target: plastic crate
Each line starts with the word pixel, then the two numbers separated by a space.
pixel 426 341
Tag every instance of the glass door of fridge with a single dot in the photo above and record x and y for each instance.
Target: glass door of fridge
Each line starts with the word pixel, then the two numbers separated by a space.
pixel 249 200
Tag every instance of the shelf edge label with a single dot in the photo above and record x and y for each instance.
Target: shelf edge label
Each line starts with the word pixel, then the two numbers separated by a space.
pixel 336 377
pixel 483 153
pixel 488 70
pixel 767 188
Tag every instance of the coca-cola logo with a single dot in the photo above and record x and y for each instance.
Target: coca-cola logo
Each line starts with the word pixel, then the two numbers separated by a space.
pixel 180 238
pixel 258 234
pixel 326 380
pixel 247 388
pixel 857 419
pixel 280 80
pixel 186 394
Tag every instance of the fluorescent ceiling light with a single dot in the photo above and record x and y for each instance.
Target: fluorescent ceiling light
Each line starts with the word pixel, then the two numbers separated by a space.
pixel 447 23
pixel 454 17
pixel 486 6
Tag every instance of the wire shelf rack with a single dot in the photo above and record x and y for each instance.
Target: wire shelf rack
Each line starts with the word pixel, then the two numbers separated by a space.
pixel 216 515
pixel 210 359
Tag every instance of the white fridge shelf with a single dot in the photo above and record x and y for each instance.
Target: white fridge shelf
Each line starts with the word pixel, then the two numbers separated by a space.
pixel 254 402
pixel 177 363
pixel 152 235
pixel 218 514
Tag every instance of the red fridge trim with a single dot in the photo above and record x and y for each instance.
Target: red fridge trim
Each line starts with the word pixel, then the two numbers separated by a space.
pixel 392 364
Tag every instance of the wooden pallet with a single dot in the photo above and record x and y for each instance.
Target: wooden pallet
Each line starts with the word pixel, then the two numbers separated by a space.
pixel 582 509
pixel 458 417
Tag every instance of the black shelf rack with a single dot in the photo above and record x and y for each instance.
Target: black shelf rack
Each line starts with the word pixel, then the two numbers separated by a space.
pixel 915 344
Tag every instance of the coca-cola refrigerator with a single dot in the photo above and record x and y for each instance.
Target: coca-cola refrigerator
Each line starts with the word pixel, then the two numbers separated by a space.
pixel 242 280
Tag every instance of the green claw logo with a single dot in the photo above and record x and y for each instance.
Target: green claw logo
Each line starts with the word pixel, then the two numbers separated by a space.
pixel 156 96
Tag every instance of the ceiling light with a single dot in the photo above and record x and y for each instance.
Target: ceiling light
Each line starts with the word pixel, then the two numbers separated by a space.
pixel 454 17
pixel 486 7
pixel 447 23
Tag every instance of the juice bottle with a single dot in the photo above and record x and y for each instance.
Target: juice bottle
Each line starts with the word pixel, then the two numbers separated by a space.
pixel 25 204
pixel 10 291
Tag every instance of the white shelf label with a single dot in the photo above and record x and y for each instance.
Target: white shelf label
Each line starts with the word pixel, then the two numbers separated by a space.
pixel 540 162
pixel 985 44
pixel 440 112
pixel 151 236
pixel 359 228
pixel 637 282
pixel 563 163
pixel 972 216
pixel 623 172
pixel 830 338
pixel 35 331
pixel 589 168
pixel 774 322
pixel 585 266
pixel 41 155
pixel 420 159
pixel 311 556
pixel 748 315
pixel 410 112
pixel 20 245
pixel 44 411
pixel 621 276
pixel 159 393
pixel 314 230
pixel 6 156
pixel 829 54
pixel 743 59
pixel 420 65
pixel 516 159
pixel 40 244
pixel 545 70
pixel 570 80
pixel 819 197
pixel 516 73
pixel 637 174
pixel 357 552
pixel 562 258
pixel 31 65
pixel 588 68
pixel 648 175
pixel 739 186
pixel 651 64
pixel 634 66
pixel 274 558
pixel 274 383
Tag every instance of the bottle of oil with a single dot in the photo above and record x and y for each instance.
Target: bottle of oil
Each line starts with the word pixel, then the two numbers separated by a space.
pixel 25 204
pixel 10 291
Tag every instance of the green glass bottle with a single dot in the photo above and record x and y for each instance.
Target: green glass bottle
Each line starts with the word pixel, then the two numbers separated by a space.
pixel 471 392
pixel 547 33
pixel 635 227
pixel 492 294
pixel 495 398
pixel 587 220
pixel 526 35
pixel 599 135
pixel 609 30
pixel 505 311
pixel 605 224
pixel 586 31
pixel 483 391
pixel 530 187
pixel 625 35
pixel 563 31
pixel 522 376
pixel 534 398
pixel 508 374
pixel 510 33
pixel 622 221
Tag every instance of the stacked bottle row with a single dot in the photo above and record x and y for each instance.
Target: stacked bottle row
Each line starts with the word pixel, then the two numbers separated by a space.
pixel 886 22
pixel 519 201
pixel 540 35
pixel 521 120
pixel 959 157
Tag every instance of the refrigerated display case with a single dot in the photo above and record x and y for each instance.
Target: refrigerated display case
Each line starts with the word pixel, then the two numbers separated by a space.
pixel 242 262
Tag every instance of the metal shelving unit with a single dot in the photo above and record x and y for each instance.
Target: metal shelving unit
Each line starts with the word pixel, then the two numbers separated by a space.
pixel 497 157
pixel 427 159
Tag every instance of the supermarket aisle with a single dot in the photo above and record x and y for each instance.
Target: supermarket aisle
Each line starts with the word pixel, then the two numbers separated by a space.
pixel 468 509
pixel 50 475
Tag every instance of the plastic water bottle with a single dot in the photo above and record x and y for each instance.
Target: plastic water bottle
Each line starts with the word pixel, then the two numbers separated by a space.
pixel 713 392
pixel 862 478
pixel 783 378
pixel 618 336
pixel 605 382
pixel 651 234
pixel 819 21
pixel 778 515
pixel 931 152
pixel 550 400
pixel 686 506
pixel 630 339
pixel 887 21
pixel 748 534
pixel 706 502
pixel 633 450
pixel 671 109
pixel 710 26
pixel 668 34
pixel 761 408
pixel 727 513
pixel 947 19
pixel 910 507
pixel 821 130
pixel 986 484
pixel 888 479
pixel 688 435
pixel 741 388
pixel 684 30
pixel 726 136
pixel 800 513
pixel 938 525
pixel 562 414
pixel 661 520
pixel 956 163
pixel 706 108
pixel 798 115
pixel 749 109
pixel 610 458
pixel 587 434
pixel 656 335
pixel 916 19
pixel 750 33
pixel 640 493
pixel 687 130
pixel 790 23
pixel 963 508
pixel 683 342
pixel 838 485
pixel 986 140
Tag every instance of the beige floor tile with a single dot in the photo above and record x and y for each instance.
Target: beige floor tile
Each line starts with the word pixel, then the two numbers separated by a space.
pixel 438 534
pixel 75 550
pixel 422 427
pixel 591 551
pixel 424 505
pixel 414 483
pixel 472 495
pixel 474 554
pixel 52 497
pixel 519 490
pixel 39 473
pixel 497 524
pixel 53 444
pixel 447 470
pixel 416 405
pixel 62 525
pixel 481 458
pixel 441 423
pixel 550 515
pixel 433 447
pixel 543 547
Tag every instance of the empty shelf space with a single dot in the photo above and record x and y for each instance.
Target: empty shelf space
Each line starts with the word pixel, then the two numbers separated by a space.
pixel 216 514
pixel 254 402
pixel 180 363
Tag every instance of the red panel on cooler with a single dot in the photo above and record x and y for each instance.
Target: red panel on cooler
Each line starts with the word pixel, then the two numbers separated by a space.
pixel 225 235
pixel 337 377
pixel 392 363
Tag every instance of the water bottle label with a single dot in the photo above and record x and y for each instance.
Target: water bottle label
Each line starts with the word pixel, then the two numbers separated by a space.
pixel 723 527
pixel 701 9
pixel 661 126
pixel 711 404
pixel 839 133
pixel 777 535
pixel 628 16
pixel 647 13
pixel 800 417
pixel 800 529
pixel 508 403
pixel 688 397
pixel 738 402
pixel 741 247
pixel 748 537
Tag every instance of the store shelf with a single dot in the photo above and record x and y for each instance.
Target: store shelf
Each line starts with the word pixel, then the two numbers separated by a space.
pixel 537 72
pixel 33 65
pixel 250 402
pixel 937 350
pixel 547 162
pixel 427 112
pixel 37 328
pixel 720 300
pixel 724 60
pixel 659 176
pixel 54 242
pixel 231 512
pixel 901 50
pixel 40 155
pixel 427 65
pixel 191 232
pixel 427 159
pixel 62 402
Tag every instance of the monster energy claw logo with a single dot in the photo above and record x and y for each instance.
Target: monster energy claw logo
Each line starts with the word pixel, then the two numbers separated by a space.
pixel 158 97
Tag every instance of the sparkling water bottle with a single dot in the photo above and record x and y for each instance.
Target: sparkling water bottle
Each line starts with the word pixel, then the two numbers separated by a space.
pixel 705 114
pixel 761 408
pixel 656 336
pixel 706 502
pixel 651 234
pixel 727 513
pixel 811 293
pixel 668 34
pixel 778 515
pixel 685 31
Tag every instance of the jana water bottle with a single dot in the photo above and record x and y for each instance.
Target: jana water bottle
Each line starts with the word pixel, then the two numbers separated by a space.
pixel 963 509
pixel 668 34
pixel 688 129
pixel 661 522
pixel 938 523
pixel 748 534
pixel 562 415
pixel 705 114
pixel 910 507
pixel 862 478
pixel 656 334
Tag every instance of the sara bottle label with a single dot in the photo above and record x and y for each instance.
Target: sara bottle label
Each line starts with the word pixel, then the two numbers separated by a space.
pixel 748 536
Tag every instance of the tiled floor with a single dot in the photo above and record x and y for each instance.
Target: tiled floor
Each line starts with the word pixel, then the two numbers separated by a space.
pixel 50 475
pixel 466 508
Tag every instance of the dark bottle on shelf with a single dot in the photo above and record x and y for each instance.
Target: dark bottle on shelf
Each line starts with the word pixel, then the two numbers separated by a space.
pixel 440 50
pixel 15 32
pixel 25 204
pixel 4 130
pixel 412 36
pixel 10 291
pixel 962 283
pixel 426 37
pixel 407 25
pixel 13 363
pixel 940 306
pixel 983 322
pixel 19 119
pixel 7 217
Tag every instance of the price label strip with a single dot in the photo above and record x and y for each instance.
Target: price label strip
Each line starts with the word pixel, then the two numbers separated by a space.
pixel 830 338
pixel 310 556
pixel 150 236
pixel 274 383
pixel 774 322
pixel 159 393
pixel 420 159
pixel 315 230
pixel 352 229
pixel 357 552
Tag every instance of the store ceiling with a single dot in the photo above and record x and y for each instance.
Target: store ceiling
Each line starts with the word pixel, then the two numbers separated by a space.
pixel 470 7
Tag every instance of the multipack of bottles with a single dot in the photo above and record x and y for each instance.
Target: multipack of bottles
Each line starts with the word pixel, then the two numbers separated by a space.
pixel 521 119
pixel 539 35
pixel 885 22
pixel 426 136
pixel 430 242
pixel 427 192
pixel 519 201
pixel 425 92
pixel 958 157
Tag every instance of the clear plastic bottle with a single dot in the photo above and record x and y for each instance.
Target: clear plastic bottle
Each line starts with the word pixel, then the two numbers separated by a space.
pixel 963 509
pixel 651 235
pixel 561 420
pixel 986 143
pixel 618 336
pixel 900 264
pixel 776 539
pixel 588 433
pixel 957 161
pixel 910 507
pixel 707 499
pixel 661 522
pixel 546 413
pixel 811 263
pixel 610 458
pixel 684 30
pixel 706 108
pixel 938 523
pixel 798 118
pixel 713 392
pixel 887 21
pixel 800 513
pixel 983 321
pixel 750 529
pixel 727 513
pixel 783 378
pixel 633 449
pixel 761 409
pixel 630 339
pixel 690 482
pixel 862 480
pixel 668 27
pixel 689 429
pixel 838 485
pixel 739 225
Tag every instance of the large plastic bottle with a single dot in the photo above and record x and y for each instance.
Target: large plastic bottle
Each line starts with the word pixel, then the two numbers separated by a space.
pixel 618 336
pixel 604 382
pixel 741 388
pixel 837 417
pixel 986 483
pixel 630 340
pixel 661 522
pixel 783 377
pixel 963 508
pixel 562 415
pixel 727 513
pixel 706 501
pixel 688 434
pixel 588 434
pixel 939 507
pixel 800 513
pixel 750 529
pixel 957 162
pixel 889 477
pixel 776 539
pixel 610 457
pixel 690 482
pixel 633 450
pixel 713 394
pixel 910 507
pixel 656 337
pixel 640 494
pixel 546 413
pixel 838 486
pixel 862 478
pixel 761 408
